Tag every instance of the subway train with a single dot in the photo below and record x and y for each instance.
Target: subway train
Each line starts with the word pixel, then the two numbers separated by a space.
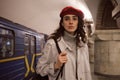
pixel 20 48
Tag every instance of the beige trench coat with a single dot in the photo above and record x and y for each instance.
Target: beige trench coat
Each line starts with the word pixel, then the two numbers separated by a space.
pixel 45 65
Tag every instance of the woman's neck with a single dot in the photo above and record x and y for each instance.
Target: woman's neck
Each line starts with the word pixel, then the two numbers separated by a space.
pixel 69 37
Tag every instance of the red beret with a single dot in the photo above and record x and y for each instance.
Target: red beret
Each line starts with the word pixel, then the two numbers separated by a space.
pixel 71 10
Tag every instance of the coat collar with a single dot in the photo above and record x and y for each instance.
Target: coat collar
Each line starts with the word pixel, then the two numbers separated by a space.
pixel 63 45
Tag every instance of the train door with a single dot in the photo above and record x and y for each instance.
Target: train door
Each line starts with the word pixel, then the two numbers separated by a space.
pixel 29 54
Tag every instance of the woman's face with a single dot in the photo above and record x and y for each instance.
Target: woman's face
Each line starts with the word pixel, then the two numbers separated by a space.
pixel 70 23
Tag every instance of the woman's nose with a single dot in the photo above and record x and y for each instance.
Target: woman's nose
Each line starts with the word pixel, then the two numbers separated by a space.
pixel 71 22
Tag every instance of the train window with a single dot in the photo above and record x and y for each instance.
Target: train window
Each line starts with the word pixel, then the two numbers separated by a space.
pixel 6 43
pixel 32 45
pixel 29 44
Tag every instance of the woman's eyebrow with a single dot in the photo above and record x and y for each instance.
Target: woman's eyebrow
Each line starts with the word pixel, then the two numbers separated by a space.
pixel 74 16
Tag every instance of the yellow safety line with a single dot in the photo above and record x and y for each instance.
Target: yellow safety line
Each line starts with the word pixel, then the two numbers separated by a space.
pixel 38 54
pixel 33 58
pixel 11 59
pixel 27 66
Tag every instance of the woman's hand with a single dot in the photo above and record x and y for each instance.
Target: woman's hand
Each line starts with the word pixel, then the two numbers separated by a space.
pixel 62 58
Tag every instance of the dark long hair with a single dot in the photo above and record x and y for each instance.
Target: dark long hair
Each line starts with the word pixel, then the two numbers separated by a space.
pixel 81 35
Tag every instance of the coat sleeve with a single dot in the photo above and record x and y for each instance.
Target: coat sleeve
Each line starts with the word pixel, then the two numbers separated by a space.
pixel 87 66
pixel 45 64
pixel 87 51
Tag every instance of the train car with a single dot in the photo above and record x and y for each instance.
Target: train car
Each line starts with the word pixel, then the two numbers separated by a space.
pixel 20 48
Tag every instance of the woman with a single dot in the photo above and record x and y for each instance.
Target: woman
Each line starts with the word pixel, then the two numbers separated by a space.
pixel 72 41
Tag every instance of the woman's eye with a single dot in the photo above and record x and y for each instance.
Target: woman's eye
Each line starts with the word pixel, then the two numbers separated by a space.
pixel 75 18
pixel 66 19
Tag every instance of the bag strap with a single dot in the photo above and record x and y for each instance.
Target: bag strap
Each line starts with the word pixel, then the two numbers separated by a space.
pixel 58 48
pixel 59 51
